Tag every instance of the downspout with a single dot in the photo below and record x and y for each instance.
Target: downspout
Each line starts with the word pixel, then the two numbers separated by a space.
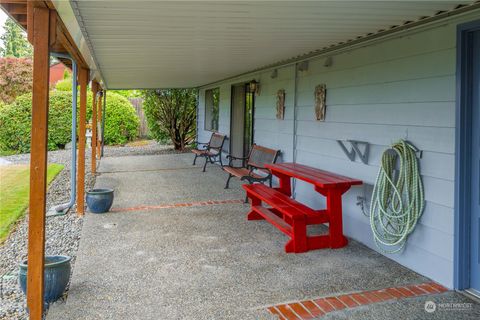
pixel 197 107
pixel 103 119
pixel 64 208
pixel 295 107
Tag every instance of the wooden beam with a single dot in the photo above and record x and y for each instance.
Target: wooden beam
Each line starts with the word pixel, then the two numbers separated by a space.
pixel 94 126
pixel 16 8
pixel 83 81
pixel 13 1
pixel 64 39
pixel 30 21
pixel 38 162
pixel 53 27
pixel 21 18
pixel 99 120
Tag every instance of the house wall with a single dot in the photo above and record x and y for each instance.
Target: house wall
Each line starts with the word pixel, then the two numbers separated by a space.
pixel 402 87
pixel 56 73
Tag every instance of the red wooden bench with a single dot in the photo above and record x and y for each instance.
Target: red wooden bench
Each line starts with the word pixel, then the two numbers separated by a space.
pixel 292 217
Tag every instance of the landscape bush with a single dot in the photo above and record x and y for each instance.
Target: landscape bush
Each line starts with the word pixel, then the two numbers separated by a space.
pixel 15 78
pixel 15 122
pixel 64 85
pixel 121 122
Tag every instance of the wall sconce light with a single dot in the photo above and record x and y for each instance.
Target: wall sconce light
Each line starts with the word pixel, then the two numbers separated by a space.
pixel 303 66
pixel 328 62
pixel 253 86
pixel 274 74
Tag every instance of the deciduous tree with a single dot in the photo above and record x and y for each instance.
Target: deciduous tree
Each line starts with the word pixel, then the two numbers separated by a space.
pixel 172 113
pixel 15 78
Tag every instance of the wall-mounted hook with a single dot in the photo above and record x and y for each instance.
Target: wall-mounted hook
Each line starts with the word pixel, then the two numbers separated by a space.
pixel 355 150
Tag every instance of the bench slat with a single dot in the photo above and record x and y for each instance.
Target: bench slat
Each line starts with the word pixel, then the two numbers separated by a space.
pixel 315 176
pixel 274 219
pixel 285 204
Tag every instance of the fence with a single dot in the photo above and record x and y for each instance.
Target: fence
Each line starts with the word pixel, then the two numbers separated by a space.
pixel 138 105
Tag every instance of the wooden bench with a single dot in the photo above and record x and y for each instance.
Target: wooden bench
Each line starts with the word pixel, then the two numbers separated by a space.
pixel 254 169
pixel 211 151
pixel 292 217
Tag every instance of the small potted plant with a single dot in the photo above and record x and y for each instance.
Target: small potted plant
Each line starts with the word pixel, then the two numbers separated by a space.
pixel 99 200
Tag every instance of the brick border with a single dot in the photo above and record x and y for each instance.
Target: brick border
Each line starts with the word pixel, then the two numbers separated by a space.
pixel 146 170
pixel 179 205
pixel 315 308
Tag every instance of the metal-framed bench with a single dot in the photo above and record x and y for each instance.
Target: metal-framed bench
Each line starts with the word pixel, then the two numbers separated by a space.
pixel 211 151
pixel 254 169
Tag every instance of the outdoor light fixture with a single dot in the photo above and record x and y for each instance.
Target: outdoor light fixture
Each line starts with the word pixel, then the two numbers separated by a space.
pixel 303 66
pixel 274 74
pixel 253 86
pixel 328 62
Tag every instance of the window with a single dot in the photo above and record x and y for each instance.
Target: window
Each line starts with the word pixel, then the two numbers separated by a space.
pixel 212 104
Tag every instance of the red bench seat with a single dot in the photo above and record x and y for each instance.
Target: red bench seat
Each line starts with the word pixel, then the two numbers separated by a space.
pixel 288 215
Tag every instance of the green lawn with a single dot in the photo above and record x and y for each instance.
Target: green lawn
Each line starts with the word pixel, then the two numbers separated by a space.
pixel 14 190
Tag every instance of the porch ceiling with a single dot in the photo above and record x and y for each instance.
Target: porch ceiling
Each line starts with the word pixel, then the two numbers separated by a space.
pixel 158 44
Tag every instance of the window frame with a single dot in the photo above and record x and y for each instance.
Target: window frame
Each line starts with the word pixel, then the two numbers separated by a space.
pixel 209 110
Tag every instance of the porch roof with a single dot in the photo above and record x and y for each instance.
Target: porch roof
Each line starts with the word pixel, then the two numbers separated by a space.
pixel 160 44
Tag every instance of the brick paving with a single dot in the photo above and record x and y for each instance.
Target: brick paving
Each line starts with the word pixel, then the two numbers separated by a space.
pixel 316 308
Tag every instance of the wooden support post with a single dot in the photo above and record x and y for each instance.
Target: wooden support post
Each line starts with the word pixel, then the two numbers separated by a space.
pixel 103 119
pixel 83 81
pixel 99 121
pixel 94 126
pixel 38 162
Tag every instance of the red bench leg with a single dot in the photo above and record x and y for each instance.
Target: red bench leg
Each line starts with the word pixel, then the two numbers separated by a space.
pixel 334 208
pixel 254 201
pixel 298 243
pixel 285 184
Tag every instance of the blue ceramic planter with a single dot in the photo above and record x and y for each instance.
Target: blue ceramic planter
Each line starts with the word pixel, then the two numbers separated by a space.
pixel 99 200
pixel 57 275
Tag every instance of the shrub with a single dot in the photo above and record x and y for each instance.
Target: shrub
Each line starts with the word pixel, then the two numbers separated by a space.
pixel 121 120
pixel 171 113
pixel 15 78
pixel 64 85
pixel 15 120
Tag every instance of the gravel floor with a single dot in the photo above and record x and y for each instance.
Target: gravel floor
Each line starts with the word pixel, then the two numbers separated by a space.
pixel 62 232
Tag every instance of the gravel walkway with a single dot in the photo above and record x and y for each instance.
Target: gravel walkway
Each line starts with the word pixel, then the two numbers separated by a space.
pixel 62 232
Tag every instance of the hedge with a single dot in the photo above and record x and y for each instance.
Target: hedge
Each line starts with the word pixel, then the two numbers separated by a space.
pixel 121 121
pixel 15 120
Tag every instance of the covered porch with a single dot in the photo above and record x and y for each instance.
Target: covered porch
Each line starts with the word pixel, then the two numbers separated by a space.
pixel 177 245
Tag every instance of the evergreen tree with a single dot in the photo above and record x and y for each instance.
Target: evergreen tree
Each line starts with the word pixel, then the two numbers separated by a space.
pixel 14 42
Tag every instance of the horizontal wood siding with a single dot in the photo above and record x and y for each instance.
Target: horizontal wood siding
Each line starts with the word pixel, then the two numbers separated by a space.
pixel 403 87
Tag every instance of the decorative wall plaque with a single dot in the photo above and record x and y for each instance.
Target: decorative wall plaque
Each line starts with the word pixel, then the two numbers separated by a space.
pixel 320 100
pixel 280 104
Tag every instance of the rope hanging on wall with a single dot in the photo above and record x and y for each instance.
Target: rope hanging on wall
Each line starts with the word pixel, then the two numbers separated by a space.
pixel 398 198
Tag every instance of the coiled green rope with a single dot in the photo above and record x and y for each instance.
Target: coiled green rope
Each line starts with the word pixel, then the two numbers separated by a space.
pixel 398 198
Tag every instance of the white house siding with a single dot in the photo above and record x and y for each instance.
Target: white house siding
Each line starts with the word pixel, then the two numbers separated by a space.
pixel 402 87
